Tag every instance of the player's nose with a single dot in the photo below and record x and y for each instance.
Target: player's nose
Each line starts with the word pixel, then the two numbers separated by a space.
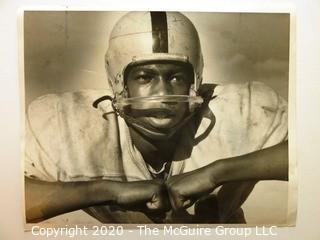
pixel 162 87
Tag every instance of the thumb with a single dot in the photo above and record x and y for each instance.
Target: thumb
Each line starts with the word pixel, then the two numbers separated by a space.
pixel 188 203
pixel 153 203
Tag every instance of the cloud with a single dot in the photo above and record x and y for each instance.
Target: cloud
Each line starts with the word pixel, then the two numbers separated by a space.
pixel 245 47
pixel 239 68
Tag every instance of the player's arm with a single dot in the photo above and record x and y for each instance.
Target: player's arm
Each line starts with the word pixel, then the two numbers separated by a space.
pixel 267 164
pixel 49 199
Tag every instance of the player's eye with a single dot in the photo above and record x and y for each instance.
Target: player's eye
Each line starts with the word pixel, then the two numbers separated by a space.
pixel 143 78
pixel 178 79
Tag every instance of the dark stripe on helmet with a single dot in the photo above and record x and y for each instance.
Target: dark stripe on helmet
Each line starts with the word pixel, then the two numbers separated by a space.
pixel 159 32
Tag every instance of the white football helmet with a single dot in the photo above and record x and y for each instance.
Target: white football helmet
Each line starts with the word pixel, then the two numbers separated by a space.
pixel 140 37
pixel 144 37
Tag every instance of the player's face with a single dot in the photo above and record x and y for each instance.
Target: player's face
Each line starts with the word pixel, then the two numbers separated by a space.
pixel 159 79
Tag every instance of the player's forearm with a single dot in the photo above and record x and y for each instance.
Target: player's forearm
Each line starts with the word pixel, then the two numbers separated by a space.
pixel 48 199
pixel 266 164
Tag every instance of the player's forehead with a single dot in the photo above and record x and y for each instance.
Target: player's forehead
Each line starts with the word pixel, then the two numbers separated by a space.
pixel 160 67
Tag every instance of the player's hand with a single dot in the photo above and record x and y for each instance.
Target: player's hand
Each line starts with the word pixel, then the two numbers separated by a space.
pixel 184 189
pixel 149 195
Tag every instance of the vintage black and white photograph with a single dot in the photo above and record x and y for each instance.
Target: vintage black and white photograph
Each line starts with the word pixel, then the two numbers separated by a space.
pixel 157 117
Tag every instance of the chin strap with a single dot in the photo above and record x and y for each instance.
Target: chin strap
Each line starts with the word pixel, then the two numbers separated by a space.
pixel 96 103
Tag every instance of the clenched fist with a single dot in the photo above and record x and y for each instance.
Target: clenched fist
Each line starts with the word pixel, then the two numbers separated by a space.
pixel 185 189
pixel 150 195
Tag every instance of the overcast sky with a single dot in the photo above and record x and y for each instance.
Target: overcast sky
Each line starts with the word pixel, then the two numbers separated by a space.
pixel 245 47
pixel 64 51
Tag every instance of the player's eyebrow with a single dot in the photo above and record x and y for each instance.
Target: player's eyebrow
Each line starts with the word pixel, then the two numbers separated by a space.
pixel 154 69
pixel 141 70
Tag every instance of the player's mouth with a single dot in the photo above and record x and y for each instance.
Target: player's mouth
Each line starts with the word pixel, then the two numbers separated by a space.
pixel 164 117
pixel 161 113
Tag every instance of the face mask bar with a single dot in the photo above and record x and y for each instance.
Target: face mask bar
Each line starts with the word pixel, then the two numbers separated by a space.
pixel 120 103
pixel 123 102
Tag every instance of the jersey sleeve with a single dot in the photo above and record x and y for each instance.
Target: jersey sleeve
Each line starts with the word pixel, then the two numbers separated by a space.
pixel 250 116
pixel 268 119
pixel 40 133
pixel 69 140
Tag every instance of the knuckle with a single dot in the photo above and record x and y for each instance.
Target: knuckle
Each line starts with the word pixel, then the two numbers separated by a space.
pixel 169 186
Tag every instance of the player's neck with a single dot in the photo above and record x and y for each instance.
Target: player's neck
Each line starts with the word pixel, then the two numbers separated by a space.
pixel 154 152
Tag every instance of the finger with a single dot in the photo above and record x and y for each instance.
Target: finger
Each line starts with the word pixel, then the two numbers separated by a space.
pixel 188 203
pixel 152 205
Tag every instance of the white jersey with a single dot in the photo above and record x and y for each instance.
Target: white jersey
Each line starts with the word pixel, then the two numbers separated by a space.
pixel 68 140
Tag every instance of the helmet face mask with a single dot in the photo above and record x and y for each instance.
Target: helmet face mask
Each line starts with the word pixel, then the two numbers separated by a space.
pixel 148 37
